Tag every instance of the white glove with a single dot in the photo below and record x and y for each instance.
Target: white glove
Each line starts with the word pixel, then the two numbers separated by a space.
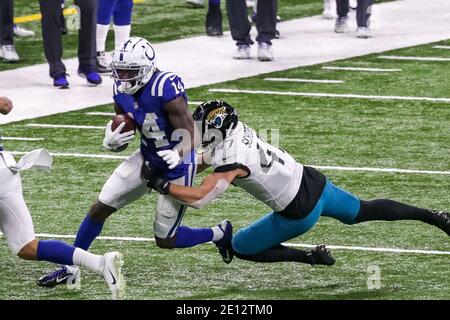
pixel 171 157
pixel 114 139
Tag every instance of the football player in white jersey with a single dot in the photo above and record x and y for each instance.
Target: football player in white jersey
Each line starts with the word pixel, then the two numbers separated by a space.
pixel 297 194
pixel 17 226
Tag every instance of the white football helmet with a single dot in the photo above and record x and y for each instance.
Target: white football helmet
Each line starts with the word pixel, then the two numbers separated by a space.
pixel 133 65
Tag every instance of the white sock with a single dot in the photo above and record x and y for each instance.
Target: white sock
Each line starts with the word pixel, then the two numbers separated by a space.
pixel 217 233
pixel 102 34
pixel 121 34
pixel 86 259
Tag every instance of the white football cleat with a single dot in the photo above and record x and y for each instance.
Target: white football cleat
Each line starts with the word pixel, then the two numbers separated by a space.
pixel 242 52
pixel 9 53
pixel 341 25
pixel 112 273
pixel 363 33
pixel 22 32
pixel 196 3
pixel 328 13
pixel 265 52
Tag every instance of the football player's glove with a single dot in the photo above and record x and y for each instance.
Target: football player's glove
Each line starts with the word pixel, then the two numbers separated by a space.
pixel 114 140
pixel 171 157
pixel 154 180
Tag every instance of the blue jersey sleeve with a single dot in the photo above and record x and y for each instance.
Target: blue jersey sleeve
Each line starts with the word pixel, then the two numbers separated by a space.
pixel 123 101
pixel 173 88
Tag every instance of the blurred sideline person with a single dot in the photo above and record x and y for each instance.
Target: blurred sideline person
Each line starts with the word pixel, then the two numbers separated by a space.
pixel 120 11
pixel 7 49
pixel 328 12
pixel 265 20
pixel 52 26
pixel 157 103
pixel 17 226
pixel 298 195
pixel 213 23
pixel 363 12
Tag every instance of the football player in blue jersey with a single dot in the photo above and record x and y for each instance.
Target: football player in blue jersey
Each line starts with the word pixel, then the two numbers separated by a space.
pixel 157 102
pixel 120 11
pixel 17 226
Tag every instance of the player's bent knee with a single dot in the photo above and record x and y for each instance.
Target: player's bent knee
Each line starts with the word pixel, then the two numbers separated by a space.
pixel 165 243
pixel 29 251
pixel 100 212
pixel 241 245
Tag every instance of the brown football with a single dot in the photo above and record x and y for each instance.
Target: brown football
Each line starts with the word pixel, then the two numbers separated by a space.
pixel 129 123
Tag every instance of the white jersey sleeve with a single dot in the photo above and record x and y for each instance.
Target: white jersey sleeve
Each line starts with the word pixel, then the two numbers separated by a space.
pixel 274 177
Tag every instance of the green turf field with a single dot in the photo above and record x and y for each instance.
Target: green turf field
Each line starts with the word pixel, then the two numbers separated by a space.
pixel 316 131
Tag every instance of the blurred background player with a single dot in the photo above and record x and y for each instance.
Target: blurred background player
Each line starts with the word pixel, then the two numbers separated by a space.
pixel 329 9
pixel 157 102
pixel 120 11
pixel 7 50
pixel 17 226
pixel 265 20
pixel 213 23
pixel 363 12
pixel 52 26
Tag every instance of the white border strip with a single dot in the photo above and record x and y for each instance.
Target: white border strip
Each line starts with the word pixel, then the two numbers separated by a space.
pixel 361 69
pixel 442 47
pixel 331 95
pixel 302 80
pixel 62 126
pixel 414 58
pixel 300 245
pixel 338 168
pixel 20 139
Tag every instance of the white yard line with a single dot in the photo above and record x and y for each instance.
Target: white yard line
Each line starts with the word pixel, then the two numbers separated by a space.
pixel 414 58
pixel 62 126
pixel 337 168
pixel 304 42
pixel 331 95
pixel 302 80
pixel 20 139
pixel 301 245
pixel 77 155
pixel 361 69
pixel 394 170
pixel 442 47
pixel 109 114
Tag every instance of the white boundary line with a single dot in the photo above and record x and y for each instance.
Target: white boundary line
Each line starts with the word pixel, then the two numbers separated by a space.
pixel 21 139
pixel 414 58
pixel 338 168
pixel 300 245
pixel 361 69
pixel 302 80
pixel 331 95
pixel 442 47
pixel 62 126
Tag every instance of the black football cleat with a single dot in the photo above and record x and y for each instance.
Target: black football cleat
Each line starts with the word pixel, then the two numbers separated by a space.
pixel 64 275
pixel 224 244
pixel 321 255
pixel 441 219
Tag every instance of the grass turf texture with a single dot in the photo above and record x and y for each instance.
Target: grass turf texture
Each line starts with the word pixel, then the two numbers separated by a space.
pixel 320 131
